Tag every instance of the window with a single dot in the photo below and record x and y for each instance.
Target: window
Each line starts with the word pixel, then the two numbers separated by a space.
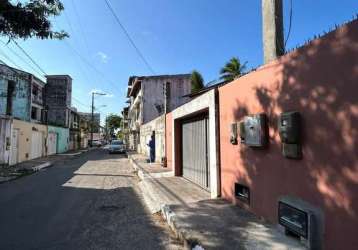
pixel 34 113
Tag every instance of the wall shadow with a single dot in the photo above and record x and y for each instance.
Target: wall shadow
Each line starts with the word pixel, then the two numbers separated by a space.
pixel 320 81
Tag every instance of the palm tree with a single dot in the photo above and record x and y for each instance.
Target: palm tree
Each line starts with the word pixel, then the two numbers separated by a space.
pixel 232 70
pixel 197 81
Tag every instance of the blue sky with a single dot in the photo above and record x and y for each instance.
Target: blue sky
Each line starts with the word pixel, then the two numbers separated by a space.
pixel 174 36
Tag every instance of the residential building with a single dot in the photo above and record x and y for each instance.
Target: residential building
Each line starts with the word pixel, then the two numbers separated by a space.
pixel 21 95
pixel 74 126
pixel 303 176
pixel 150 98
pixel 58 94
pixel 96 120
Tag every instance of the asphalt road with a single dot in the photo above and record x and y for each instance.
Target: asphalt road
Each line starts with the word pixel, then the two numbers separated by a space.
pixel 89 201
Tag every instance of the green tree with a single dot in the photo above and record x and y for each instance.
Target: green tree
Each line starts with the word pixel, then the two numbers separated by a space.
pixel 197 81
pixel 113 122
pixel 232 69
pixel 19 19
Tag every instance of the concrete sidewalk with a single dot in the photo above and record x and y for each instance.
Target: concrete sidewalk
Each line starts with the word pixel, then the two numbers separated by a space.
pixel 27 167
pixel 198 220
pixel 148 170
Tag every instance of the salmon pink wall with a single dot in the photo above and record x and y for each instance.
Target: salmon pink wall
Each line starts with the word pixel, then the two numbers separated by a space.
pixel 320 81
pixel 169 140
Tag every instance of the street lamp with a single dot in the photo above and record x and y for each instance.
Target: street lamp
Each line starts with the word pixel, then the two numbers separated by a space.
pixel 92 117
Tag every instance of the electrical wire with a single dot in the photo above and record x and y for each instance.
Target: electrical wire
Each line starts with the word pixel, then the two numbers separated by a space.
pixel 90 65
pixel 21 58
pixel 290 24
pixel 28 56
pixel 10 60
pixel 140 54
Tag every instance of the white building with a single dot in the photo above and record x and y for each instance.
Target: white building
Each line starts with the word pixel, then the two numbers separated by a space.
pixel 150 98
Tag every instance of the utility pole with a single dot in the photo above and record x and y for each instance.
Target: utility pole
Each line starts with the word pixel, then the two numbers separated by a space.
pixel 92 114
pixel 272 24
pixel 92 118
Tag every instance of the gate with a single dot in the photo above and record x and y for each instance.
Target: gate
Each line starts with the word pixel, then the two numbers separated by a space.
pixel 195 151
pixel 36 145
pixel 14 147
pixel 51 143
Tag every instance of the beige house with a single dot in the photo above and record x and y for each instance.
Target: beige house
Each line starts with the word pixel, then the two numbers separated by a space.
pixel 28 141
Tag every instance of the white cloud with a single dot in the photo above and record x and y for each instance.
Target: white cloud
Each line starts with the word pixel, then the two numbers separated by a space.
pixel 102 56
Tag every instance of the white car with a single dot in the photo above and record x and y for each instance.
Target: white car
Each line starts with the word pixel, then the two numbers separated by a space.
pixel 116 146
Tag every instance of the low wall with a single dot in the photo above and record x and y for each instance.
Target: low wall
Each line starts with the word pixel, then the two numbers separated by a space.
pixel 169 140
pixel 146 130
pixel 5 137
pixel 320 81
pixel 63 135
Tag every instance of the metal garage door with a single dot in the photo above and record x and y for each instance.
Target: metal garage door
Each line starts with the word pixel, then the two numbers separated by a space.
pixel 195 151
pixel 36 145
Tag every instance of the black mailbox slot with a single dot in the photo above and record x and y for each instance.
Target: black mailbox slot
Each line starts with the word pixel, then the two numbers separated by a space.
pixel 242 192
pixel 294 220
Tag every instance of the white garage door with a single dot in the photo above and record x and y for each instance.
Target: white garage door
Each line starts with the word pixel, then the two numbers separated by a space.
pixel 51 143
pixel 36 145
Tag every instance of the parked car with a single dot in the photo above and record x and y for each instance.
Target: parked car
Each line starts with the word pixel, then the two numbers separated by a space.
pixel 95 143
pixel 116 146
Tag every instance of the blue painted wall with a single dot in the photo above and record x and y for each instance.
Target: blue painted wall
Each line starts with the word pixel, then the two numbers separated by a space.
pixel 21 97
pixel 63 135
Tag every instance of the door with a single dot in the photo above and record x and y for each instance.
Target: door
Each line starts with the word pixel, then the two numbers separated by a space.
pixel 14 148
pixel 51 143
pixel 36 145
pixel 195 151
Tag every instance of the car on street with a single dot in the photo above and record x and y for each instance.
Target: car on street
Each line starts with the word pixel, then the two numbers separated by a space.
pixel 116 146
pixel 95 143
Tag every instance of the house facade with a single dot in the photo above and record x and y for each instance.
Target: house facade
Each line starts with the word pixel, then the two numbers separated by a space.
pixel 265 159
pixel 150 98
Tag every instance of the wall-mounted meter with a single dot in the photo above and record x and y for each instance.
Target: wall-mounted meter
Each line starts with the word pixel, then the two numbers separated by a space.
pixel 253 130
pixel 289 127
pixel 233 133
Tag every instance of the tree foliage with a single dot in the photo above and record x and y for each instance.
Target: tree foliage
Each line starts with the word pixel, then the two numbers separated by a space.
pixel 232 69
pixel 30 19
pixel 113 122
pixel 197 81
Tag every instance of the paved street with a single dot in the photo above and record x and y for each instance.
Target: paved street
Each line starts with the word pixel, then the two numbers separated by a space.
pixel 90 201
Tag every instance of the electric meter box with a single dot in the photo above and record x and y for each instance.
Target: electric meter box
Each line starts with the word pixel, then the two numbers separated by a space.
pixel 253 130
pixel 289 127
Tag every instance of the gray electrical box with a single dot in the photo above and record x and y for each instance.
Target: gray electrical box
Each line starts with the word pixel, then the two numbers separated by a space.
pixel 289 127
pixel 253 130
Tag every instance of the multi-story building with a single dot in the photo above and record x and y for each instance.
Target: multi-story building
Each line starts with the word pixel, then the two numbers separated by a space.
pixel 22 113
pixel 21 95
pixel 58 99
pixel 150 98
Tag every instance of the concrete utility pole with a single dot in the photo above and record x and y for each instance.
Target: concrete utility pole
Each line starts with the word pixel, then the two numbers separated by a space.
pixel 92 116
pixel 272 24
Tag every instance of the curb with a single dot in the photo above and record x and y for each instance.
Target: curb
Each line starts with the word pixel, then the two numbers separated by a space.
pixel 170 217
pixel 42 166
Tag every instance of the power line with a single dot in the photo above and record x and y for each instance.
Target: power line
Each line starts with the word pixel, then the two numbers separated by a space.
pixel 28 56
pixel 80 26
pixel 21 58
pixel 9 59
pixel 290 24
pixel 91 65
pixel 129 37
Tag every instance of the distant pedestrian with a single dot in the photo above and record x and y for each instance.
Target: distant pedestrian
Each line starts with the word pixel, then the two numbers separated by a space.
pixel 151 145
